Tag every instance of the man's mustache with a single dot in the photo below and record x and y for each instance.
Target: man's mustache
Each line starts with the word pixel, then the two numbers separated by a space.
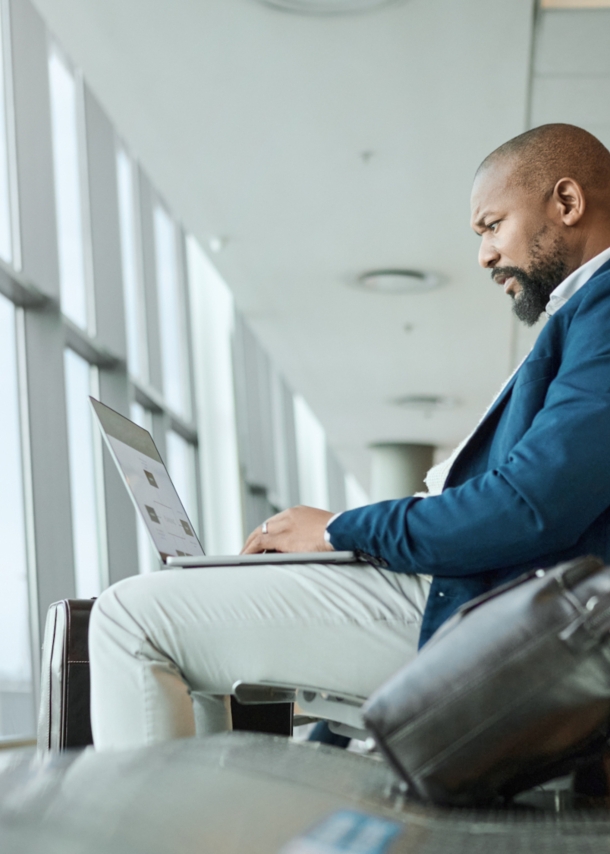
pixel 505 273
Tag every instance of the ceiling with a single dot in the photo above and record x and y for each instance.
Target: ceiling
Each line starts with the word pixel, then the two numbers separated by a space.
pixel 317 148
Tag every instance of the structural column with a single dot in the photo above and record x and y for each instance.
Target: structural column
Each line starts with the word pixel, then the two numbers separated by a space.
pixel 398 469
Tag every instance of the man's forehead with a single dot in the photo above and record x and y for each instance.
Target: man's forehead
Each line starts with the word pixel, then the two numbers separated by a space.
pixel 492 188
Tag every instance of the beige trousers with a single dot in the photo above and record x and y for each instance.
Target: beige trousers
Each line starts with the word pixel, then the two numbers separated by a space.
pixel 165 648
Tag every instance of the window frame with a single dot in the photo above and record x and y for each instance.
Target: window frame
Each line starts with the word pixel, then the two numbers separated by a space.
pixel 43 333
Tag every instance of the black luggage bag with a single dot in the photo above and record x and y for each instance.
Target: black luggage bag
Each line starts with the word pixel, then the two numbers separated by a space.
pixel 64 720
pixel 513 691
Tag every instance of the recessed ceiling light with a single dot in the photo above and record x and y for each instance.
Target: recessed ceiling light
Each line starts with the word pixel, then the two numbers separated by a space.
pixel 326 7
pixel 217 243
pixel 398 281
pixel 425 401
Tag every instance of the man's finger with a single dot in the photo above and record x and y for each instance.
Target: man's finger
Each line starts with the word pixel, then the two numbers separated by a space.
pixel 251 540
pixel 258 543
pixel 250 547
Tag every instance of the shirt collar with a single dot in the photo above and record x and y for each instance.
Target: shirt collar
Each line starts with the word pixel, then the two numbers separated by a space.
pixel 575 281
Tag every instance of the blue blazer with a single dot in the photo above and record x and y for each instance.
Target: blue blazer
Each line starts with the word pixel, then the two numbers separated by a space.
pixel 532 486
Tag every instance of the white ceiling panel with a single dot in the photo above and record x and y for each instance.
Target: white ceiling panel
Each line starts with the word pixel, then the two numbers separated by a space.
pixel 318 148
pixel 573 42
pixel 581 100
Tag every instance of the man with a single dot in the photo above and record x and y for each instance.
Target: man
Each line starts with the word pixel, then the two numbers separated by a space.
pixel 530 487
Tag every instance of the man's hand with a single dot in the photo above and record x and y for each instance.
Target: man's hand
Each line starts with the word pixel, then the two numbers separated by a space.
pixel 299 529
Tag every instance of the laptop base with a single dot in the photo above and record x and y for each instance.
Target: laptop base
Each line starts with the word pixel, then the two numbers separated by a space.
pixel 201 561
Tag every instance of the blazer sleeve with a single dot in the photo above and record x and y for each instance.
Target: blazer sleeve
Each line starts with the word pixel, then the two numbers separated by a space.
pixel 553 485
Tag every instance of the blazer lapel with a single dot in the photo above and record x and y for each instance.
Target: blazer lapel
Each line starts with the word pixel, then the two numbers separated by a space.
pixel 494 409
pixel 502 395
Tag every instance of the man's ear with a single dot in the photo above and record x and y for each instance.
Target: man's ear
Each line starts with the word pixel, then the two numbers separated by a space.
pixel 568 201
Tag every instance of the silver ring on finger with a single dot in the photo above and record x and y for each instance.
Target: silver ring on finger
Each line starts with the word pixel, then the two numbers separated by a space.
pixel 264 528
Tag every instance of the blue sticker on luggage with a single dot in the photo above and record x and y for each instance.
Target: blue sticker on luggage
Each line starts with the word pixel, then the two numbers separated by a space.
pixel 346 831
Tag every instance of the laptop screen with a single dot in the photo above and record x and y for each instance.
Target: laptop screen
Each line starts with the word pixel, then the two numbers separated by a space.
pixel 149 484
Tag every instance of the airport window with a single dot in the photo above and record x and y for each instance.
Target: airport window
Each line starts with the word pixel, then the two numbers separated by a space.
pixel 311 456
pixel 182 470
pixel 65 531
pixel 254 403
pixel 68 194
pixel 213 315
pixel 172 326
pixel 286 492
pixel 6 229
pixel 133 292
pixel 16 701
pixel 83 477
pixel 355 496
pixel 337 497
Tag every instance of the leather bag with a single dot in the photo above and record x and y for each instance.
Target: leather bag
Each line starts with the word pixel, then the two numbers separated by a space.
pixel 512 691
pixel 64 720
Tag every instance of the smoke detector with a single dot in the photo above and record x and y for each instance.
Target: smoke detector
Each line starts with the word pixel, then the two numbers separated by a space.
pixel 398 281
pixel 326 7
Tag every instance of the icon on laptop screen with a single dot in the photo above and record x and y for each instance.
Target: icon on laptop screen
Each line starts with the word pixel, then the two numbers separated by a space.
pixel 187 528
pixel 151 479
pixel 152 514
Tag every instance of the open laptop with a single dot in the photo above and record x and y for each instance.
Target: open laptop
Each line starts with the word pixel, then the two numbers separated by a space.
pixel 152 491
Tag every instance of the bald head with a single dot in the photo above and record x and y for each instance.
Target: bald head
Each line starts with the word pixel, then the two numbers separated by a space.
pixel 541 205
pixel 539 158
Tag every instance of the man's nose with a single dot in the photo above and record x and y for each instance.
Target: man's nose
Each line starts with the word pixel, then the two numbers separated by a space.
pixel 488 255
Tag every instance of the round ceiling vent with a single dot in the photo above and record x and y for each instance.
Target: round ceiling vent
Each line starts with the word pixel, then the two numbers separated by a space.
pixel 326 7
pixel 425 401
pixel 398 281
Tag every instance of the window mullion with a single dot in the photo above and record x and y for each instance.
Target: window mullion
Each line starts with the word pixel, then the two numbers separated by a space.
pixel 85 196
pixel 155 376
pixel 99 480
pixel 35 620
pixel 11 141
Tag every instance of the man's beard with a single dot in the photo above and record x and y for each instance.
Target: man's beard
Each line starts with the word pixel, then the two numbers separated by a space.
pixel 545 274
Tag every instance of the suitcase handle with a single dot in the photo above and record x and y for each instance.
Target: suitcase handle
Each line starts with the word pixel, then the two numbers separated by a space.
pixel 590 628
pixel 572 574
pixel 498 591
pixel 567 576
pixel 577 570
pixel 473 604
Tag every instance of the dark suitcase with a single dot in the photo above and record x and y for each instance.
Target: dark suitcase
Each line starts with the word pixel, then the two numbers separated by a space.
pixel 513 691
pixel 64 719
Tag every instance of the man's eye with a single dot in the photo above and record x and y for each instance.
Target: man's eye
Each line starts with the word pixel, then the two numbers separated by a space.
pixel 493 226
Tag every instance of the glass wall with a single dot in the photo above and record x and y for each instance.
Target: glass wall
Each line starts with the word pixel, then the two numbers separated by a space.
pixel 109 296
pixel 67 156
pixel 6 226
pixel 311 450
pixel 212 315
pixel 16 700
pixel 172 321
pixel 83 487
pixel 355 496
pixel 131 266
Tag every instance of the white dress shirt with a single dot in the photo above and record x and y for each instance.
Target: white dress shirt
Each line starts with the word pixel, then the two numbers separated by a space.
pixel 575 281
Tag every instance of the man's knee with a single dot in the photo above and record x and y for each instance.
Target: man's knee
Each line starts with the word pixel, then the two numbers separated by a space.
pixel 116 609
